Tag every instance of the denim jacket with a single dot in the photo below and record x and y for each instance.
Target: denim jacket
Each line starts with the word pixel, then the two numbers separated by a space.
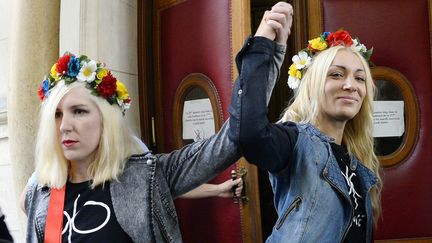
pixel 148 185
pixel 310 193
pixel 149 182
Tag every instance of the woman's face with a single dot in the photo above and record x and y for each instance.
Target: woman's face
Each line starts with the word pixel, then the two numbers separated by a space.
pixel 344 88
pixel 79 126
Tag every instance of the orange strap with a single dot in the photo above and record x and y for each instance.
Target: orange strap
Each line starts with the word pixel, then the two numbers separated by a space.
pixel 54 221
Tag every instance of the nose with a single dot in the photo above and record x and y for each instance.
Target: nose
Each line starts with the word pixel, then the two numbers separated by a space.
pixel 349 84
pixel 65 124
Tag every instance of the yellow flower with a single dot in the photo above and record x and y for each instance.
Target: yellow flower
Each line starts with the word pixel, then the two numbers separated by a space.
pixel 101 73
pixel 122 92
pixel 54 71
pixel 294 72
pixel 318 44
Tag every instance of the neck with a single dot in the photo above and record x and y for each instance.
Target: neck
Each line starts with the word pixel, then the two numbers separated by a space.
pixel 78 172
pixel 332 129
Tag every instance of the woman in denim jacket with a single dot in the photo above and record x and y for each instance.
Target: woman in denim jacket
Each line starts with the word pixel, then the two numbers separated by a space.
pixel 320 156
pixel 111 190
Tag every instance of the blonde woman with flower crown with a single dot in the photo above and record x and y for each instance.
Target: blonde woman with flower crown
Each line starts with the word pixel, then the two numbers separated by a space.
pixel 320 157
pixel 93 181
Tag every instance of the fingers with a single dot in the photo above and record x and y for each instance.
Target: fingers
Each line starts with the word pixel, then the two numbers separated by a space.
pixel 264 29
pixel 239 186
pixel 283 7
pixel 280 18
pixel 226 188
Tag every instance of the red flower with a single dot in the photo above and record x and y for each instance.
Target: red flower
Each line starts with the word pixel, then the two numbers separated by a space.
pixel 108 86
pixel 41 93
pixel 62 64
pixel 340 37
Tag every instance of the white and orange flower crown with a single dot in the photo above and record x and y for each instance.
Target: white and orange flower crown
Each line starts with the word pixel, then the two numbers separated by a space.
pixel 98 79
pixel 304 58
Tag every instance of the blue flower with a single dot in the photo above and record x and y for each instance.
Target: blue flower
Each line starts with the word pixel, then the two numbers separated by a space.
pixel 73 67
pixel 325 34
pixel 45 85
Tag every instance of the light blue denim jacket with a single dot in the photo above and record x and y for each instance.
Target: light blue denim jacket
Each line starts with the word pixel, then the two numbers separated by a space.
pixel 310 193
pixel 143 195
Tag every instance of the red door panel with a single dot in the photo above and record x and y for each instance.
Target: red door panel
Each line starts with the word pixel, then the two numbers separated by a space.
pixel 195 37
pixel 399 31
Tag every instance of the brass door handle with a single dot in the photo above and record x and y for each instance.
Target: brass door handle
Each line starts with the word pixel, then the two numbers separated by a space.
pixel 234 175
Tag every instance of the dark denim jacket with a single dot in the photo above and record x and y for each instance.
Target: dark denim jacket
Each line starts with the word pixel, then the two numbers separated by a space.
pixel 310 193
pixel 150 183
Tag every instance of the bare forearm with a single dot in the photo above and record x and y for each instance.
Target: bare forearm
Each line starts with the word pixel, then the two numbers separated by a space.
pixel 205 190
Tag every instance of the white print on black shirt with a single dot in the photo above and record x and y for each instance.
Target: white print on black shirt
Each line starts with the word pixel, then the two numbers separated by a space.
pixel 352 190
pixel 70 224
pixel 359 217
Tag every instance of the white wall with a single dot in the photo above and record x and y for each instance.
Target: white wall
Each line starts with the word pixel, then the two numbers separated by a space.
pixel 105 30
pixel 8 196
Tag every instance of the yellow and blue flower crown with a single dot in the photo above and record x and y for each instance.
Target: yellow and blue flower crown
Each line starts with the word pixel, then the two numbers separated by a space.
pixel 304 58
pixel 98 79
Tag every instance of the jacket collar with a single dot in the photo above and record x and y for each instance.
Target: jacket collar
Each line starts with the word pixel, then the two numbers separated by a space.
pixel 332 171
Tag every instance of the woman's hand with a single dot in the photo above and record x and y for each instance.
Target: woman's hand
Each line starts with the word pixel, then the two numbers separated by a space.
pixel 226 188
pixel 276 23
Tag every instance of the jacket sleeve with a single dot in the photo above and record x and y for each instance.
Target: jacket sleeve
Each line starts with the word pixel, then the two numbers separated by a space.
pixel 199 162
pixel 261 142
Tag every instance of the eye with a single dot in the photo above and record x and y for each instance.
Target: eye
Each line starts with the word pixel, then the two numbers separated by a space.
pixel 79 111
pixel 361 79
pixel 58 114
pixel 335 75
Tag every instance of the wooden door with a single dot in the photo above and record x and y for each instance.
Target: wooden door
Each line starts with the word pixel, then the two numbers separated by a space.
pixel 400 32
pixel 190 57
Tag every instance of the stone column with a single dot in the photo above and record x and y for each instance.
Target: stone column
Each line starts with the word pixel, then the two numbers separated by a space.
pixel 34 48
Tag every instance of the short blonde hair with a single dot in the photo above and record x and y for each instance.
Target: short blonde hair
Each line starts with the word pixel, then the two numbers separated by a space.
pixel 116 144
pixel 358 131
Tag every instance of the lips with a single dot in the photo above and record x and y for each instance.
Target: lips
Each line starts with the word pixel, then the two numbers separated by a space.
pixel 69 143
pixel 348 98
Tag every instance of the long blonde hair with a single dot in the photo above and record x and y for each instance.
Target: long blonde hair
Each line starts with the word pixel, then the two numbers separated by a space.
pixel 357 135
pixel 116 144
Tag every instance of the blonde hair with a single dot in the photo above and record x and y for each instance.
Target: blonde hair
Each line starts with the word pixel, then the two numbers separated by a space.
pixel 116 144
pixel 357 135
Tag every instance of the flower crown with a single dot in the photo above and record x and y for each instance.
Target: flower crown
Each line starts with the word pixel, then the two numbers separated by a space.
pixel 304 58
pixel 98 79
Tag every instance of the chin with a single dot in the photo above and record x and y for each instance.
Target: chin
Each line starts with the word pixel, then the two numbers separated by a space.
pixel 346 116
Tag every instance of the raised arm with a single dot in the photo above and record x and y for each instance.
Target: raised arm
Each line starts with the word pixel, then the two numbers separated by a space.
pixel 199 162
pixel 261 142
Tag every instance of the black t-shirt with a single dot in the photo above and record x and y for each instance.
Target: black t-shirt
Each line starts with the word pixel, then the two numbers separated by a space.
pixel 4 232
pixel 357 231
pixel 89 215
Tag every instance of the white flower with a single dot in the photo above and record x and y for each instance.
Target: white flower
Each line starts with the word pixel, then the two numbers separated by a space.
pixel 302 60
pixel 123 105
pixel 293 82
pixel 356 46
pixel 87 72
